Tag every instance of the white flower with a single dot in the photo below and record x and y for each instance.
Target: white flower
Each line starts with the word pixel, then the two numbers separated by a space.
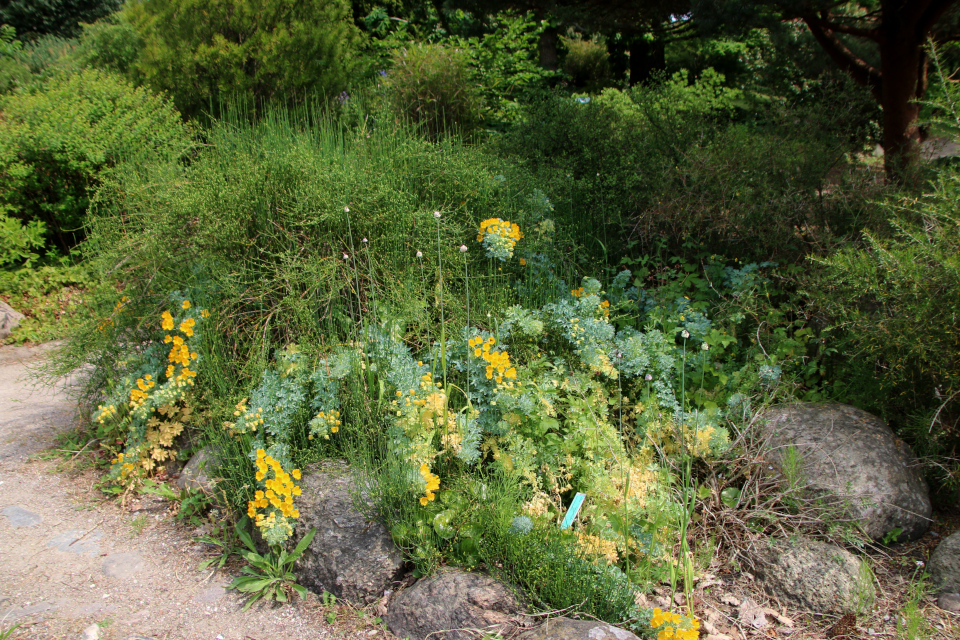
pixel 648 377
pixel 419 254
pixel 685 334
pixel 364 241
pixel 436 214
pixel 705 347
pixel 346 209
pixel 463 248
pixel 346 257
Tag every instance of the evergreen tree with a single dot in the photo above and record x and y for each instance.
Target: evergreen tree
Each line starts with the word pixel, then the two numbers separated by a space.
pixel 62 18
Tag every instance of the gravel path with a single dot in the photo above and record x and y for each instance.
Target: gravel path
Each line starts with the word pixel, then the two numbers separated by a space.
pixel 76 567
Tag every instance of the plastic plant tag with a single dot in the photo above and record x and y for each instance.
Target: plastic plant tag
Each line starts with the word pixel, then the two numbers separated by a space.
pixel 573 510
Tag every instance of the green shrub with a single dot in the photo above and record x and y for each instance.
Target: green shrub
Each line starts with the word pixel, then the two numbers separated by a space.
pixel 13 72
pixel 59 138
pixel 111 44
pixel 256 50
pixel 898 299
pixel 587 63
pixel 431 85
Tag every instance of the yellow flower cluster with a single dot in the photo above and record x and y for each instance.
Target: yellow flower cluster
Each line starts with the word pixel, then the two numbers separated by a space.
pixel 138 395
pixel 503 228
pixel 279 493
pixel 246 420
pixel 498 362
pixel 577 293
pixel 180 353
pixel 499 237
pixel 106 412
pixel 598 547
pixel 126 468
pixel 326 420
pixel 673 630
pixel 433 483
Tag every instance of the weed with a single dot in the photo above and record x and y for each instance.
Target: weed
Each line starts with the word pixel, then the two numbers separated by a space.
pixel 137 525
pixel 268 576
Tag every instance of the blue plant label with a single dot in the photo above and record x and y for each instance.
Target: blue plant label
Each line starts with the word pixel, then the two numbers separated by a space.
pixel 573 510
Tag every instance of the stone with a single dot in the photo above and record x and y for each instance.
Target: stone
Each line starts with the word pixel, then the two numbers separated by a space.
pixel 944 565
pixel 352 555
pixel 78 542
pixel 844 451
pixel 20 517
pixel 813 575
pixel 9 319
pixel 91 633
pixel 455 605
pixel 122 566
pixel 196 474
pixel 949 602
pixel 567 629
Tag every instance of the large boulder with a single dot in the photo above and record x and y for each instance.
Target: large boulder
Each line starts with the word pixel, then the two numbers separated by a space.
pixel 847 452
pixel 813 575
pixel 455 605
pixel 944 565
pixel 567 629
pixel 351 555
pixel 9 319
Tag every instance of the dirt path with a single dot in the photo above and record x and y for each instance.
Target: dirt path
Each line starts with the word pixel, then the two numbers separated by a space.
pixel 69 560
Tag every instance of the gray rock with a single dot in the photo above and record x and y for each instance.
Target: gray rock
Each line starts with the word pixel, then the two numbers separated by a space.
pixel 351 556
pixel 196 474
pixel 91 633
pixel 122 565
pixel 20 517
pixel 9 319
pixel 944 565
pixel 949 602
pixel 455 605
pixel 847 452
pixel 78 542
pixel 567 629
pixel 814 575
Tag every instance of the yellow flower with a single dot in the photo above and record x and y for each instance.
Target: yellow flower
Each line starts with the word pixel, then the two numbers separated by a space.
pixel 167 323
pixel 296 474
pixel 424 501
pixel 261 453
pixel 205 314
pixel 186 304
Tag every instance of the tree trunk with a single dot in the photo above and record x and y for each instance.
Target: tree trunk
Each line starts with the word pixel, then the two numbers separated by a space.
pixel 549 59
pixel 646 58
pixel 903 68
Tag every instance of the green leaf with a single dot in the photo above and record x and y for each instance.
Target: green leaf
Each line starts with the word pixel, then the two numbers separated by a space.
pixel 303 544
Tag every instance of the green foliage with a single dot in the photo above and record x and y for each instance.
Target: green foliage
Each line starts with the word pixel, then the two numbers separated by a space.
pixel 671 162
pixel 208 54
pixel 54 17
pixel 268 576
pixel 60 138
pixel 587 62
pixel 50 297
pixel 431 86
pixel 111 44
pixel 897 298
pixel 13 73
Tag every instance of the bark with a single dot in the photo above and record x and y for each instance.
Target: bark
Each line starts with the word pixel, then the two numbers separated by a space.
pixel 646 58
pixel 903 68
pixel 548 49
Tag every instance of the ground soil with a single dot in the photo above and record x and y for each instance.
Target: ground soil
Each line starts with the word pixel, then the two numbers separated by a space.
pixel 60 537
pixel 53 565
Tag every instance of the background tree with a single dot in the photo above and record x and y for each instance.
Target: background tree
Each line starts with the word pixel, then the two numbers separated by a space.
pixel 879 43
pixel 62 18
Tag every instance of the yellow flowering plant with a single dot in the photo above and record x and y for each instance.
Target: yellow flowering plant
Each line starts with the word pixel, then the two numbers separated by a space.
pixel 150 407
pixel 499 237
pixel 673 626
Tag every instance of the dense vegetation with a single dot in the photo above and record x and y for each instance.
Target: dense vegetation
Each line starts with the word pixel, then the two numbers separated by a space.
pixel 490 258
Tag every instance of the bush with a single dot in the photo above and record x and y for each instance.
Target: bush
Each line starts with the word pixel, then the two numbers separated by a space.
pixel 673 168
pixel 111 44
pixel 257 50
pixel 898 299
pixel 587 63
pixel 60 138
pixel 431 85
